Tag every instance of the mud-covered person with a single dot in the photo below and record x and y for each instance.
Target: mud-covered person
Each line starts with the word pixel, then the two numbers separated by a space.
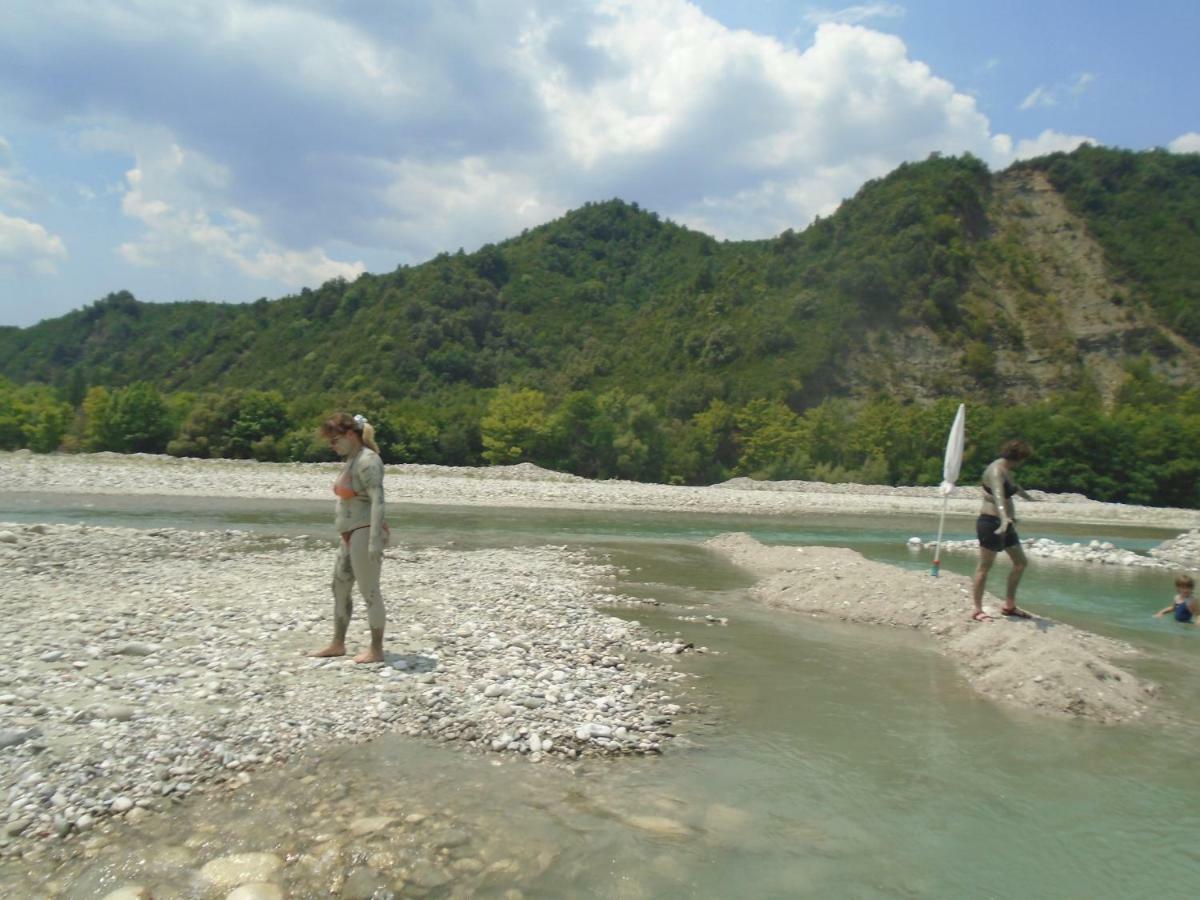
pixel 996 527
pixel 359 517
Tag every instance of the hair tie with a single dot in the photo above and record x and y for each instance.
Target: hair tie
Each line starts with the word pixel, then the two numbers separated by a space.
pixel 361 420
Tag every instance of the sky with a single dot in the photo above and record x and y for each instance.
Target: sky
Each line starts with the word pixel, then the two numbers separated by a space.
pixel 234 149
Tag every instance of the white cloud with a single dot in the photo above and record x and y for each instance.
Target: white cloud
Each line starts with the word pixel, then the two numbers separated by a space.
pixel 15 190
pixel 737 133
pixel 312 125
pixel 1039 96
pixel 1050 141
pixel 1042 96
pixel 27 246
pixel 854 15
pixel 1081 83
pixel 429 203
pixel 1185 143
pixel 181 198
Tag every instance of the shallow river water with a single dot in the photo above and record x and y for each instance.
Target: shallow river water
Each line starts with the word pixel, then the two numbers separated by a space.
pixel 834 760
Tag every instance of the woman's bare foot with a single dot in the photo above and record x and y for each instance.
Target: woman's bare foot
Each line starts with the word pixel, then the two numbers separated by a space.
pixel 369 656
pixel 334 649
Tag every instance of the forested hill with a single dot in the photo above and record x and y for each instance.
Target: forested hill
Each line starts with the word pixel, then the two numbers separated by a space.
pixel 1056 278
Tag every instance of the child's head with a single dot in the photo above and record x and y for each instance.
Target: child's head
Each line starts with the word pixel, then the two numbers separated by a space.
pixel 1185 584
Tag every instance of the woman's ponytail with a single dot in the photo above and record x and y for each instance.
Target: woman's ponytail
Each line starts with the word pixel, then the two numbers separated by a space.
pixel 367 430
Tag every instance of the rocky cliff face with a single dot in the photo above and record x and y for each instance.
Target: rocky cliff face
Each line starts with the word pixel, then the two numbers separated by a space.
pixel 1081 320
pixel 1043 312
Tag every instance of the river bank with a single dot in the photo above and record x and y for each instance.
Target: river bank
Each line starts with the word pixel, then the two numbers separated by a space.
pixel 526 485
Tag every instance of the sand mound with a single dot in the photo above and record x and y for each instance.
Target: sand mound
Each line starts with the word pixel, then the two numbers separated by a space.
pixel 1037 664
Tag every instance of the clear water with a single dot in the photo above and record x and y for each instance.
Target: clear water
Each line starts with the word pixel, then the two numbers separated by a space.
pixel 835 760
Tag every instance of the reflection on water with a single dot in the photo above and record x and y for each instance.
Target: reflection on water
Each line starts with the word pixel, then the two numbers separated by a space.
pixel 835 760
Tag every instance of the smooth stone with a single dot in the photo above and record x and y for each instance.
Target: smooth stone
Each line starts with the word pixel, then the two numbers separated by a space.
pixel 369 824
pixel 726 820
pixel 240 868
pixel 660 825
pixel 137 648
pixel 257 890
pixel 425 874
pixel 14 737
pixel 12 829
pixel 7 537
pixel 363 882
pixel 113 711
pixel 451 838
pixel 129 892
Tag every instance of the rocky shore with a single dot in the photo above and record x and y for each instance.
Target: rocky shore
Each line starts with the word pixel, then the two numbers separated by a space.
pixel 141 667
pixel 1178 553
pixel 527 485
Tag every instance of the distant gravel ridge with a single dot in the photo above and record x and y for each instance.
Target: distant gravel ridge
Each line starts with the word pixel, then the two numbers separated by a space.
pixel 526 485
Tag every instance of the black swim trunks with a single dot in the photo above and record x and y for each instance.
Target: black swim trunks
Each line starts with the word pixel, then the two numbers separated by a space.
pixel 986 528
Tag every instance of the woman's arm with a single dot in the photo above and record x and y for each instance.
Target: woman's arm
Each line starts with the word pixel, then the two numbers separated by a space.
pixel 372 480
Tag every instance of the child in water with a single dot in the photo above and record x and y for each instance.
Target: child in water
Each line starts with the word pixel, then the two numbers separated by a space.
pixel 1185 607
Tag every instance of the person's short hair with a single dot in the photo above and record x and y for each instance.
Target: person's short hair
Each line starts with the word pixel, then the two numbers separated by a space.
pixel 1185 581
pixel 1016 450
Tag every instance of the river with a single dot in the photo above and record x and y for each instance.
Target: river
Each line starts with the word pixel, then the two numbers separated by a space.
pixel 834 760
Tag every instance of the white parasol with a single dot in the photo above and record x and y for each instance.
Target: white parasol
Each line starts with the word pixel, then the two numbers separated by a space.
pixel 951 466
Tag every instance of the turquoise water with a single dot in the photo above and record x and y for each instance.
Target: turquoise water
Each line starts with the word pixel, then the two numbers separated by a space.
pixel 834 760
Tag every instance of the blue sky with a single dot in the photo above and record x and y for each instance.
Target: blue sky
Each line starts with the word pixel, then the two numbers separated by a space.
pixel 234 149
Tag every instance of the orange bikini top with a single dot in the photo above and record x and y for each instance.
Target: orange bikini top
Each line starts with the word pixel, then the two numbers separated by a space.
pixel 342 487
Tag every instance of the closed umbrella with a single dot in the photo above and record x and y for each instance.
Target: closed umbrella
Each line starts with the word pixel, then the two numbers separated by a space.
pixel 951 466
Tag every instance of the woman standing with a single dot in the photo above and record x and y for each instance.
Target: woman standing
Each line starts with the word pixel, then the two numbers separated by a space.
pixel 359 520
pixel 996 528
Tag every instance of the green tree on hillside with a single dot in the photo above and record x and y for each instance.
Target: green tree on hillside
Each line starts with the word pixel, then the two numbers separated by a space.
pixel 515 426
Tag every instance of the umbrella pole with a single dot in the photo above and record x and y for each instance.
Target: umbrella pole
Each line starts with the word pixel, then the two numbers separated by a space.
pixel 937 550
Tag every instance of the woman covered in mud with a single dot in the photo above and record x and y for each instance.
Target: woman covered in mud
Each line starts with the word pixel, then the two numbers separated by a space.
pixel 996 528
pixel 359 520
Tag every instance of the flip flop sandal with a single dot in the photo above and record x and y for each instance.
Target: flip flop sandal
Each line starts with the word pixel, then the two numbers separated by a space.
pixel 981 616
pixel 1016 613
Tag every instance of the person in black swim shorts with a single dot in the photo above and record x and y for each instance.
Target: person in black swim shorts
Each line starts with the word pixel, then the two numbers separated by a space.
pixel 996 528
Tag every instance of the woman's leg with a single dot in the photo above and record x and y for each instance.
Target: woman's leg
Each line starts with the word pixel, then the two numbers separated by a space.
pixel 1019 563
pixel 366 574
pixel 986 558
pixel 343 603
